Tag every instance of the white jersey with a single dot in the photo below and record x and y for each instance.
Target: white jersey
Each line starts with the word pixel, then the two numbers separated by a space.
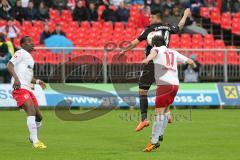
pixel 165 65
pixel 23 66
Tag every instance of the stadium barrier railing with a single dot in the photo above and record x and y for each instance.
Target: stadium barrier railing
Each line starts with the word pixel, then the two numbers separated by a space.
pixel 77 64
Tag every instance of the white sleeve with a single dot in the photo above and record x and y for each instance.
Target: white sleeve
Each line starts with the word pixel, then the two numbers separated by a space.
pixel 18 57
pixel 181 58
pixel 156 49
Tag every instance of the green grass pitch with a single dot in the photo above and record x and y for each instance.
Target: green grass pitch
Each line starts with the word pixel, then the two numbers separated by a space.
pixel 210 135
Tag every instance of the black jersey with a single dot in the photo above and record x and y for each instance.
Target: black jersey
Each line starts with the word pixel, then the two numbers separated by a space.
pixel 164 29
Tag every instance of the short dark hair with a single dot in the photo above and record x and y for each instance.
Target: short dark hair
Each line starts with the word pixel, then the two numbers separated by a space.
pixel 156 12
pixel 24 39
pixel 158 41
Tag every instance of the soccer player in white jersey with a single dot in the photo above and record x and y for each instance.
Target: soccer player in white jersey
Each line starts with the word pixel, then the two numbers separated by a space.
pixel 21 68
pixel 166 77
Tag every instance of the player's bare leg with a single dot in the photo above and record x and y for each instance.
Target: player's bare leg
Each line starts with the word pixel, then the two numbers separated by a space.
pixel 31 123
pixel 143 107
pixel 156 130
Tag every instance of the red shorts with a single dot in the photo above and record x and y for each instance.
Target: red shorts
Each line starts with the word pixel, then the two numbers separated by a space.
pixel 23 95
pixel 165 95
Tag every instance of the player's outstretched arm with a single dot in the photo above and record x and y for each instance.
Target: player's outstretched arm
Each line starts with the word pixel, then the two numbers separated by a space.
pixel 40 82
pixel 151 56
pixel 192 63
pixel 10 68
pixel 182 22
pixel 132 45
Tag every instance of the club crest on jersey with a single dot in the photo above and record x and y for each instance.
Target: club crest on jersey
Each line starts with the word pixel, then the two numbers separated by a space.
pixel 26 96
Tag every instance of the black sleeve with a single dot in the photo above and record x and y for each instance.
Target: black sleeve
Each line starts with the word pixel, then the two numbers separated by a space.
pixel 197 69
pixel 173 28
pixel 144 34
pixel 185 66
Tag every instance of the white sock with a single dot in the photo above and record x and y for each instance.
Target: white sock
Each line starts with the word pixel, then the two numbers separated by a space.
pixel 32 127
pixel 39 124
pixel 165 122
pixel 157 127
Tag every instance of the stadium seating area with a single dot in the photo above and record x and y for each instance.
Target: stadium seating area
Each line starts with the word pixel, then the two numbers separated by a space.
pixel 227 21
pixel 100 33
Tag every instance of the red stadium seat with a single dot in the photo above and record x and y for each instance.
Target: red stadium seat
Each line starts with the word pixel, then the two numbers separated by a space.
pixel 226 21
pixel 185 41
pixel 215 9
pixel 208 43
pixel 38 24
pixel 215 17
pixel 95 30
pixel 208 58
pixel 219 44
pixel 53 12
pixel 137 56
pixel 236 15
pixel 232 56
pixel 119 25
pixel 174 41
pixel 219 55
pixel 66 13
pixel 236 28
pixel 108 25
pixel 74 24
pixel 85 24
pixel 40 57
pixel 3 22
pixel 27 24
pixel 204 12
pixel 131 24
pixel 96 25
pixel 197 41
pixel 208 37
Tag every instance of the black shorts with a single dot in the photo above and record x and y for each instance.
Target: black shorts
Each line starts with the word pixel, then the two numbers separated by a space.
pixel 147 76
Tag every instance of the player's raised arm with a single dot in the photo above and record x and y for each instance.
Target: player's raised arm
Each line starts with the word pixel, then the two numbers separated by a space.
pixel 183 59
pixel 151 56
pixel 191 62
pixel 182 22
pixel 10 67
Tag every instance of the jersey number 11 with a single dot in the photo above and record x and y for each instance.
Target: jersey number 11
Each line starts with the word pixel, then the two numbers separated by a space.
pixel 169 58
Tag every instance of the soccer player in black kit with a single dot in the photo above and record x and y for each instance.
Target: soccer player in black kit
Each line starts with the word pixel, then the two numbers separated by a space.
pixel 147 74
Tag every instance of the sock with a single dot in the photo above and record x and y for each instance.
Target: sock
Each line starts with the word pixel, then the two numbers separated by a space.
pixel 157 127
pixel 32 127
pixel 143 106
pixel 165 122
pixel 38 124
